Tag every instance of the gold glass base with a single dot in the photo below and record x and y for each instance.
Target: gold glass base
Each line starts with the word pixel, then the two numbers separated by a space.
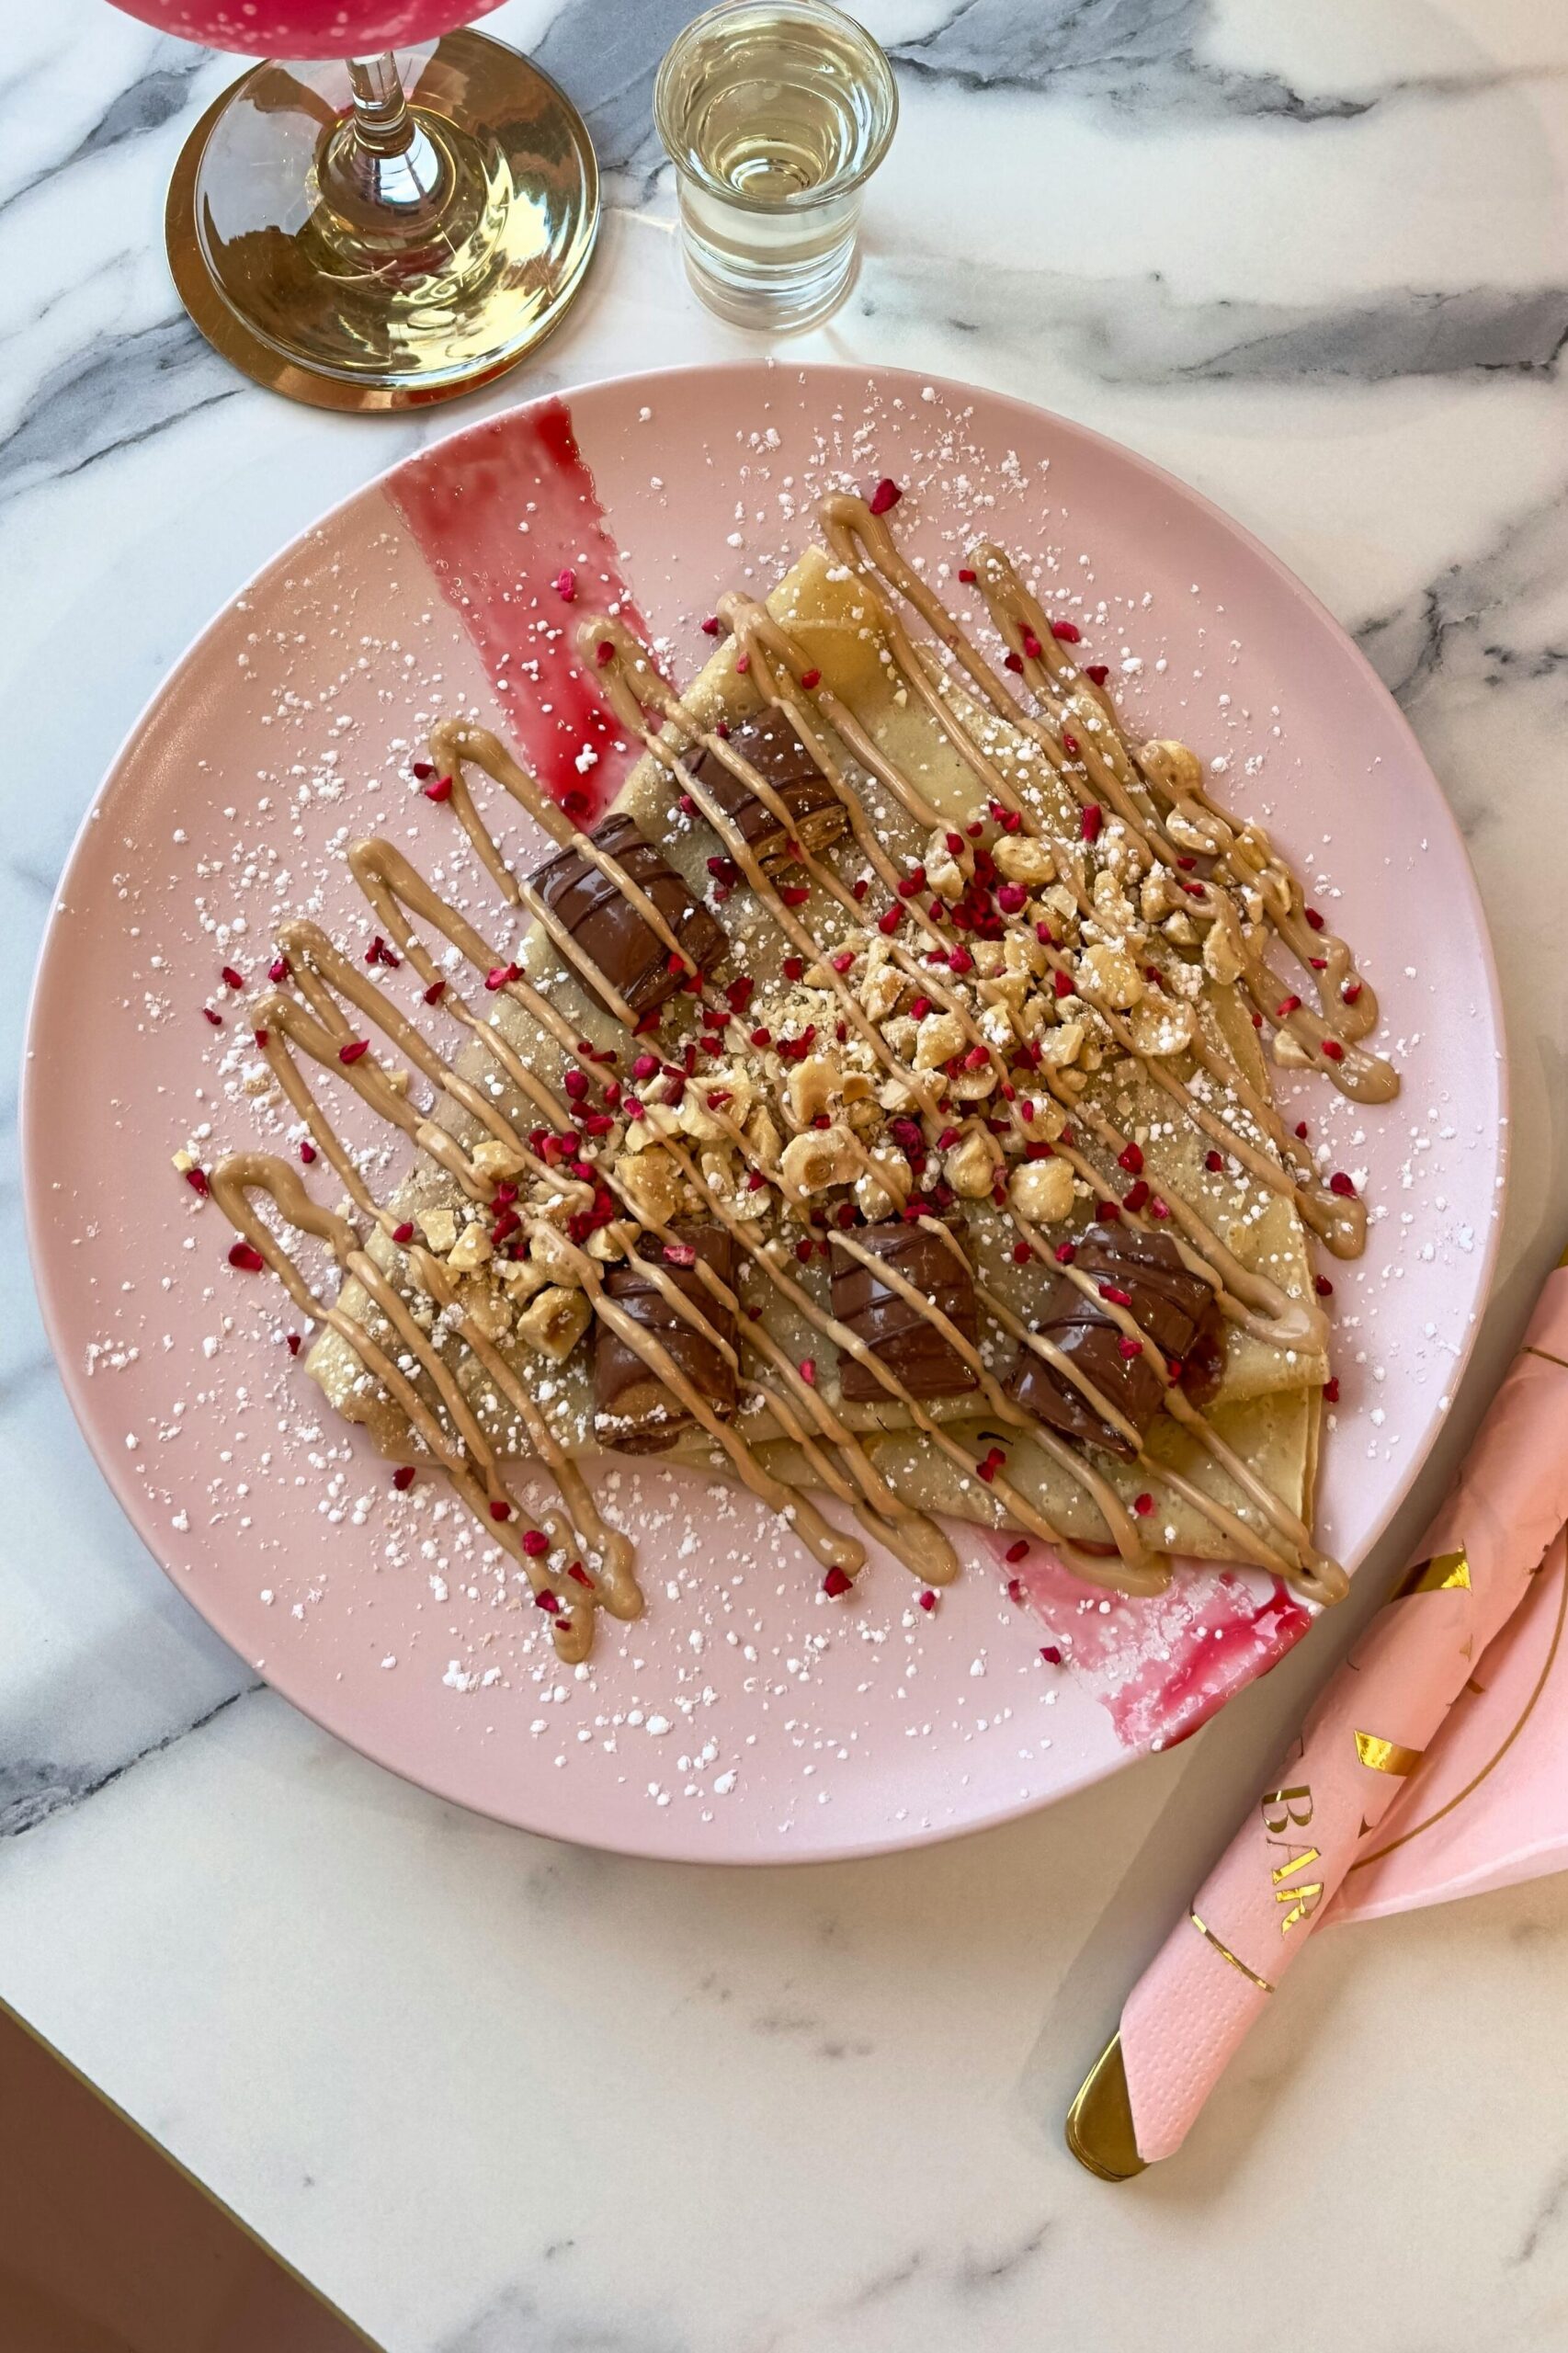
pixel 353 274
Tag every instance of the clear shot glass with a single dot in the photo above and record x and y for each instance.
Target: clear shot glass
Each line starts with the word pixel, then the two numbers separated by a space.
pixel 775 113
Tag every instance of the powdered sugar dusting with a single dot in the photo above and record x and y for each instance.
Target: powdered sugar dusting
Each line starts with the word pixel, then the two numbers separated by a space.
pixel 792 1723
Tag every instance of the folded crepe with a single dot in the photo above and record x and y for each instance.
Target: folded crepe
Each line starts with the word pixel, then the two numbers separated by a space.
pixel 949 1005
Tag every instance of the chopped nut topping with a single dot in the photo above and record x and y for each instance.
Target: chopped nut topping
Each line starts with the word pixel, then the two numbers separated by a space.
pixel 555 1322
pixel 498 1160
pixel 470 1249
pixel 484 1307
pixel 1107 975
pixel 970 1166
pixel 1162 1026
pixel 1041 1190
pixel 439 1228
pixel 1061 1046
pixel 946 870
pixel 1223 958
pixel 1174 764
pixel 652 1183
pixel 810 1086
pixel 1023 857
pixel 819 1158
pixel 938 1040
pixel 881 1195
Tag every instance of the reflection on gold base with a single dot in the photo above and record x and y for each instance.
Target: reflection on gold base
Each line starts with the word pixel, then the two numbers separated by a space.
pixel 1099 2122
pixel 316 298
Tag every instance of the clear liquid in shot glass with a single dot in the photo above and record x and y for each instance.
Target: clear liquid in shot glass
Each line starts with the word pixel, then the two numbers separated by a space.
pixel 776 112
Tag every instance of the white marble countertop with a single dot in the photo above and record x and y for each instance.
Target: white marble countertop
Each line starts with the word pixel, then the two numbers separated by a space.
pixel 496 2096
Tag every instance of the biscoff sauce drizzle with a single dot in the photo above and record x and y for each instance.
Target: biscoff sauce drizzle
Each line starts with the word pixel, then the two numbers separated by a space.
pixel 392 883
pixel 287 1031
pixel 476 744
pixel 1108 767
pixel 1256 1304
pixel 620 1587
pixel 634 683
pixel 912 1535
pixel 1339 1222
pixel 322 975
pixel 469 1464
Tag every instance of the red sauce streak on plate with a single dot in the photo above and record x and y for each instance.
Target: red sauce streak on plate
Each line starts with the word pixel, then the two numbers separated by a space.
pixel 1162 1666
pixel 465 503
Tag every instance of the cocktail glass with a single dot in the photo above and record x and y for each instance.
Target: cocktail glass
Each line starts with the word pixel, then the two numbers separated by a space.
pixel 398 213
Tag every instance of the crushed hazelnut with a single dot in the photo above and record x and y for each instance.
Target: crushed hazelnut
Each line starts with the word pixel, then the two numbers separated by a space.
pixel 1223 958
pixel 1161 1026
pixel 879 1195
pixel 1060 1045
pixel 555 1322
pixel 969 1166
pixel 1172 764
pixel 937 1040
pixel 439 1228
pixel 946 869
pixel 819 1158
pixel 470 1249
pixel 1041 1190
pixel 652 1183
pixel 810 1087
pixel 1023 857
pixel 1107 975
pixel 498 1160
pixel 484 1307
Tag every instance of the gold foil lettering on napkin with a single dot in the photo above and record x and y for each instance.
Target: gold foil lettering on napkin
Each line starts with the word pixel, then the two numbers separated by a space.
pixel 1386 1756
pixel 1280 1809
pixel 1446 1573
pixel 1226 1954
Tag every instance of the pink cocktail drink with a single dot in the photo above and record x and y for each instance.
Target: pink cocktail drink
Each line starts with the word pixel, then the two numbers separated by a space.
pixel 307 29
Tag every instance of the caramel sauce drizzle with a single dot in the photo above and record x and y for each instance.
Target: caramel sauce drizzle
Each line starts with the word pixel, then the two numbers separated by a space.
pixel 1341 1224
pixel 912 1535
pixel 322 971
pixel 1129 781
pixel 1174 817
pixel 1250 1301
pixel 325 977
pixel 633 684
pixel 469 1464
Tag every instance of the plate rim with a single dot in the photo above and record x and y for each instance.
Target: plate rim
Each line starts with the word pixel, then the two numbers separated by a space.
pixel 111 1464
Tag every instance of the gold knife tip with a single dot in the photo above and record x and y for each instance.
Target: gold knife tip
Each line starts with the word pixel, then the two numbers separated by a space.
pixel 1099 2122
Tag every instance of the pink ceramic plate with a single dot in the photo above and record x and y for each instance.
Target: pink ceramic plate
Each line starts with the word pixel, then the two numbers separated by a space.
pixel 747 1718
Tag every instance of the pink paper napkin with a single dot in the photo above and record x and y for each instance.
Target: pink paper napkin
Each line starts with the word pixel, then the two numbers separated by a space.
pixel 1498 1533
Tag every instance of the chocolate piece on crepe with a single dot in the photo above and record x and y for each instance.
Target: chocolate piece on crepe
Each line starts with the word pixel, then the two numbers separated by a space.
pixel 769 742
pixel 610 933
pixel 1175 1308
pixel 633 1410
pixel 905 1339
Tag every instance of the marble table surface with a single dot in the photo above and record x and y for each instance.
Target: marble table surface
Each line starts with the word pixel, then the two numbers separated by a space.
pixel 496 2096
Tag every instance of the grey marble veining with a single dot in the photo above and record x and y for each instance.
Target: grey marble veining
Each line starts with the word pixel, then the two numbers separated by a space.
pixel 499 2097
pixel 1141 331
pixel 1138 58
